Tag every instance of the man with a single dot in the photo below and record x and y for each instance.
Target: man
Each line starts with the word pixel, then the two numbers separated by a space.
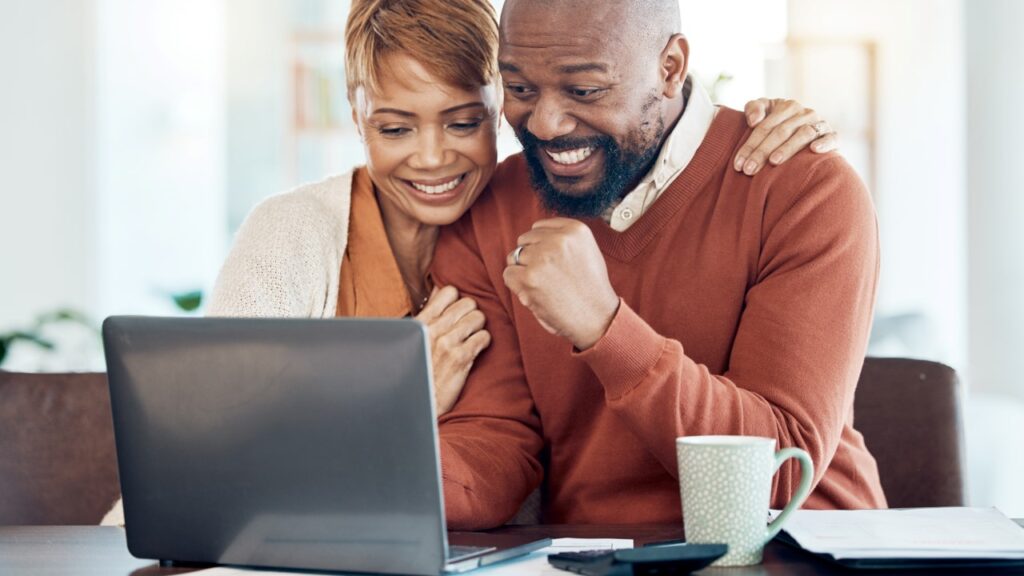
pixel 637 288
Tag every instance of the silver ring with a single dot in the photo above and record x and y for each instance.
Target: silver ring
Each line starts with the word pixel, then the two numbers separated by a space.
pixel 821 128
pixel 516 253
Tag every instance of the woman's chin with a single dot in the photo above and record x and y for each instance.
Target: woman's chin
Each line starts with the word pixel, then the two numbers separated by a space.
pixel 441 216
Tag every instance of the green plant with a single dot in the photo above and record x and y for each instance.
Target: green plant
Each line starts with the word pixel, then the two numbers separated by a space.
pixel 34 334
pixel 714 87
pixel 188 301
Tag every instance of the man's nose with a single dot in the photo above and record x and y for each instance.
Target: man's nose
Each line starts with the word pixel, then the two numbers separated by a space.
pixel 548 119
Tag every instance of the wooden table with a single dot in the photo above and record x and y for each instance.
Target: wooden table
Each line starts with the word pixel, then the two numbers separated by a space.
pixel 101 551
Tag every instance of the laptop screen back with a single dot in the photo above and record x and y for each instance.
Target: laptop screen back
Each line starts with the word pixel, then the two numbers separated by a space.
pixel 277 442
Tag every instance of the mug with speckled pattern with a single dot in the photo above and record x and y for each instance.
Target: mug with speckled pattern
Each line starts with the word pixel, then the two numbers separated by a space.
pixel 725 483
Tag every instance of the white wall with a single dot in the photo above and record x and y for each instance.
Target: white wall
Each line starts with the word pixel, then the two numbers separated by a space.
pixel 46 193
pixel 742 47
pixel 995 50
pixel 160 151
pixel 995 58
pixel 259 112
pixel 921 151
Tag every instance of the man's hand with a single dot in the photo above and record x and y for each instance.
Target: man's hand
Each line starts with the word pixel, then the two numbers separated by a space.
pixel 562 278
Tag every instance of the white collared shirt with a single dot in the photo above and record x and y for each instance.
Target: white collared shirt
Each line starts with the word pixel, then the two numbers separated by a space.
pixel 677 151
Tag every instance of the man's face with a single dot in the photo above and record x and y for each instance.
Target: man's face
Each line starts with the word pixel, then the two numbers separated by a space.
pixel 584 101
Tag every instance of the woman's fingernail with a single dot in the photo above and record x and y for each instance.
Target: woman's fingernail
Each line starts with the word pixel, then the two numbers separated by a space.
pixel 738 164
pixel 751 119
pixel 750 168
pixel 776 159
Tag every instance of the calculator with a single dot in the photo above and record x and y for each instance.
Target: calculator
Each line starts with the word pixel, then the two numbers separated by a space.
pixel 664 560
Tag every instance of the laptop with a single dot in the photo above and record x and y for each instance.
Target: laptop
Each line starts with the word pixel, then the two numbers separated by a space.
pixel 287 443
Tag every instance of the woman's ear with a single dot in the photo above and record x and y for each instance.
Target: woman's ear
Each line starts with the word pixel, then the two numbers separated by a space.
pixel 357 101
pixel 675 61
pixel 355 120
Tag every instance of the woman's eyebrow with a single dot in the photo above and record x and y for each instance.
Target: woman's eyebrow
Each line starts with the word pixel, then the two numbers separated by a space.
pixel 408 114
pixel 405 113
pixel 462 107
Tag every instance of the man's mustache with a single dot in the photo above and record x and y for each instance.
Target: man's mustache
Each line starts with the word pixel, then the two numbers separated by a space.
pixel 529 140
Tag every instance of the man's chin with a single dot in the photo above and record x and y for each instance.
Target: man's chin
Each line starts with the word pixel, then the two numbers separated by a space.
pixel 575 187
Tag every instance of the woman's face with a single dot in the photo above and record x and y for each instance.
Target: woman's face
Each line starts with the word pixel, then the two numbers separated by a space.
pixel 430 148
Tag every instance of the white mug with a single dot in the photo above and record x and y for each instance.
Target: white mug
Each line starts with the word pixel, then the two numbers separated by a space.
pixel 725 483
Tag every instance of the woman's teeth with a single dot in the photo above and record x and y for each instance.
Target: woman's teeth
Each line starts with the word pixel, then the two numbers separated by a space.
pixel 438 189
pixel 571 156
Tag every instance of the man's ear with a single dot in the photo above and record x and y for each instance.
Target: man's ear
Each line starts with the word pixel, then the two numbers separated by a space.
pixel 675 61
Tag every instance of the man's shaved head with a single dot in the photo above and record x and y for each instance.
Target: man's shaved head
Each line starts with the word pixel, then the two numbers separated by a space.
pixel 591 88
pixel 653 22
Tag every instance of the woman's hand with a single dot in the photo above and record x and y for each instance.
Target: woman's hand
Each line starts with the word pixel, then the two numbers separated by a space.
pixel 781 129
pixel 457 337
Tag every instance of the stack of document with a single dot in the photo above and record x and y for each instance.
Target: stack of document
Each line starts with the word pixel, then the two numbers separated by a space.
pixel 902 537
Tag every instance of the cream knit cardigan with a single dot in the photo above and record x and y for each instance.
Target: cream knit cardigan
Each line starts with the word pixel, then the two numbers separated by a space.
pixel 286 258
pixel 285 262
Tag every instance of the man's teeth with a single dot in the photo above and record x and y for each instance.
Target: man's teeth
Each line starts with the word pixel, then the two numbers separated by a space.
pixel 440 188
pixel 571 156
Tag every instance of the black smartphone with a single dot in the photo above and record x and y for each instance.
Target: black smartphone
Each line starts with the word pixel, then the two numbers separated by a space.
pixel 664 560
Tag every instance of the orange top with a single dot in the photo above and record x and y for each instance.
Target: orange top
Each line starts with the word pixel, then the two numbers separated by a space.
pixel 745 310
pixel 370 284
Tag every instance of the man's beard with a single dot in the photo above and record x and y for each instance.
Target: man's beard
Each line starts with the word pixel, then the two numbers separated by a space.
pixel 622 169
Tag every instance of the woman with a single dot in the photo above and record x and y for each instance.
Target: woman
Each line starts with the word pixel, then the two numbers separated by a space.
pixel 425 94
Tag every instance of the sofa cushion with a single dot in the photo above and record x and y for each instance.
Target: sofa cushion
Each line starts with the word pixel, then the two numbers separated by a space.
pixel 57 457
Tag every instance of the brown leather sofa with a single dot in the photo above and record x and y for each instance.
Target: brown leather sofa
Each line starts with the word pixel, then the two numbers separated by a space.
pixel 57 458
pixel 58 465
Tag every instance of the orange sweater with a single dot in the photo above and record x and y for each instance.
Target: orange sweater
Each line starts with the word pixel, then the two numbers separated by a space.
pixel 745 309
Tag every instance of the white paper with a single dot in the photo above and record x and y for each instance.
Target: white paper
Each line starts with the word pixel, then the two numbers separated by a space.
pixel 921 533
pixel 535 563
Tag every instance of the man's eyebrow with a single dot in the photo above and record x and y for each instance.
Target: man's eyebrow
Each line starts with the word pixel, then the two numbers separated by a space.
pixel 587 67
pixel 507 67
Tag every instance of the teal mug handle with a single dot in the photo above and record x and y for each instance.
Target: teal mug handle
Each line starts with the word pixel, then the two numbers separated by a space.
pixel 806 476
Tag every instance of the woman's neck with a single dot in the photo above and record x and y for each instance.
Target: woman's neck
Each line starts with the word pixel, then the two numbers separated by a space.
pixel 412 243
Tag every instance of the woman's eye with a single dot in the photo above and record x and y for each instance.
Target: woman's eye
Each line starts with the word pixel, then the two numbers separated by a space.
pixel 393 131
pixel 467 126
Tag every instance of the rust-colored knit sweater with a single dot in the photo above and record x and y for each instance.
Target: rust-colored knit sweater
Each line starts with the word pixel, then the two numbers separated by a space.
pixel 746 306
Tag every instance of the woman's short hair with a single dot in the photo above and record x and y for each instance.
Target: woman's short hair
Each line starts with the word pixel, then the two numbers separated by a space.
pixel 456 41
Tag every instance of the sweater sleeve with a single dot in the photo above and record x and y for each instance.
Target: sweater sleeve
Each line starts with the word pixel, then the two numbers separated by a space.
pixel 799 346
pixel 284 260
pixel 491 439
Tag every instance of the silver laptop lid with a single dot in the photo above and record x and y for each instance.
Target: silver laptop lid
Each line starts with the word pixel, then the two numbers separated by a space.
pixel 278 442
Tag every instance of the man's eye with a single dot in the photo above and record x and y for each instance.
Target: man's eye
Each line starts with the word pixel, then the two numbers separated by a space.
pixel 585 92
pixel 518 89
